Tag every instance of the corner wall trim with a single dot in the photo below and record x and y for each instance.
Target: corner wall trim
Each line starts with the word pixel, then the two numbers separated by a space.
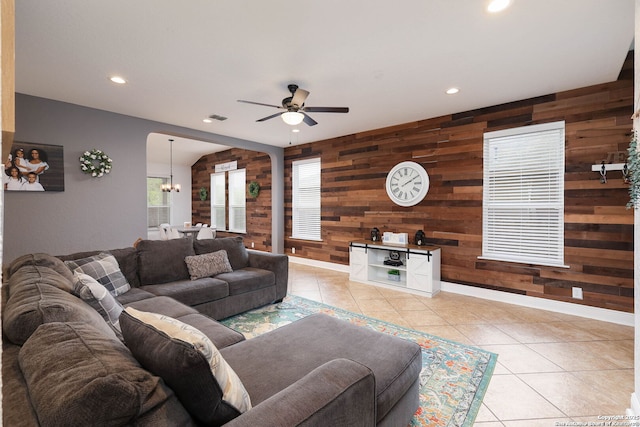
pixel 579 310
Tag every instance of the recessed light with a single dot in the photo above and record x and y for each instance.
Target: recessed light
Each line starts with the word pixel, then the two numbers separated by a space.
pixel 207 120
pixel 498 5
pixel 452 90
pixel 117 79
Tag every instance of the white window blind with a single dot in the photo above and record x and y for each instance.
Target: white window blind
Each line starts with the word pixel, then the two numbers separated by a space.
pixel 523 195
pixel 306 199
pixel 237 201
pixel 218 204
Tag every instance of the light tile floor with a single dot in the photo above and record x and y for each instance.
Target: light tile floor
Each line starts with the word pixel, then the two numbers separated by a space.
pixel 552 367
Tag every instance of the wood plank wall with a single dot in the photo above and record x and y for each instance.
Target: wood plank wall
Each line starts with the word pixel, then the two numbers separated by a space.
pixel 598 227
pixel 258 166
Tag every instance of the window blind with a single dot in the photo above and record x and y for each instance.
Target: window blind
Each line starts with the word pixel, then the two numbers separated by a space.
pixel 523 195
pixel 306 199
pixel 218 203
pixel 237 201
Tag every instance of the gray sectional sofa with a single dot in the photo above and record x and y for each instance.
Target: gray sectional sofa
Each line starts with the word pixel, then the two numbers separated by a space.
pixel 67 362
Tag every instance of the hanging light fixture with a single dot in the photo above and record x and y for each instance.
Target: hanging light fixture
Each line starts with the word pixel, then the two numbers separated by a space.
pixel 292 118
pixel 170 187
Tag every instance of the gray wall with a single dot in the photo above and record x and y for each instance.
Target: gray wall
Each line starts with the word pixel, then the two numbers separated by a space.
pixel 99 213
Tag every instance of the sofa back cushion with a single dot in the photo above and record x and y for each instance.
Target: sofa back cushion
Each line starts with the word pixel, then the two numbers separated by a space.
pixel 77 378
pixel 162 261
pixel 47 262
pixel 35 302
pixel 127 261
pixel 236 252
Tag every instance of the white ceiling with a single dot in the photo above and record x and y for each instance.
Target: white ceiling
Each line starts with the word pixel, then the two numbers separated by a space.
pixel 389 62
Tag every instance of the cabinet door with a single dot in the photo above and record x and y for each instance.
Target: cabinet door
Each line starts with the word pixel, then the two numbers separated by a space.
pixel 358 264
pixel 420 272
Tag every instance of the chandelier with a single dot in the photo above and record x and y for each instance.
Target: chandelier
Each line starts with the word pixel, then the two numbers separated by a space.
pixel 170 187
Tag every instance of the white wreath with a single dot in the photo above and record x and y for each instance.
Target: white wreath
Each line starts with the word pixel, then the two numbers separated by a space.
pixel 95 163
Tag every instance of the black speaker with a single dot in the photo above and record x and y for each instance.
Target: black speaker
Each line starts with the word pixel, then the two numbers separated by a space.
pixel 420 238
pixel 375 234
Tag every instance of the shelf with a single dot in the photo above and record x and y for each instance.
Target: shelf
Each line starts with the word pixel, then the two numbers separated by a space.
pixel 401 284
pixel 389 267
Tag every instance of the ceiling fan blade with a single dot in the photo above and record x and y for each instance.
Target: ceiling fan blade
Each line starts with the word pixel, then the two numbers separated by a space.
pixel 327 109
pixel 260 103
pixel 308 120
pixel 269 117
pixel 299 97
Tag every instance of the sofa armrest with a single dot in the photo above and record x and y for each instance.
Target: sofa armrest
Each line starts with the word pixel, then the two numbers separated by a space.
pixel 277 263
pixel 339 393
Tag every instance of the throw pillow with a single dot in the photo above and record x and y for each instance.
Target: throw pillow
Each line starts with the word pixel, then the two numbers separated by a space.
pixel 105 269
pixel 206 265
pixel 188 362
pixel 75 377
pixel 87 288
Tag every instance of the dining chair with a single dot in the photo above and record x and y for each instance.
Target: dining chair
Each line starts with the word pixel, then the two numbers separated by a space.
pixel 174 233
pixel 205 233
pixel 163 233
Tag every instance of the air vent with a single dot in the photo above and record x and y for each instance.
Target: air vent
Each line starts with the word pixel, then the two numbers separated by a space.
pixel 217 117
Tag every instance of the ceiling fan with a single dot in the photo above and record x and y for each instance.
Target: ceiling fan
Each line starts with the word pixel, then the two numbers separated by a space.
pixel 296 111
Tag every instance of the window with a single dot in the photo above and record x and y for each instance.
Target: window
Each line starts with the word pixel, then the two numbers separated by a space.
pixel 158 202
pixel 306 199
pixel 237 201
pixel 523 195
pixel 218 198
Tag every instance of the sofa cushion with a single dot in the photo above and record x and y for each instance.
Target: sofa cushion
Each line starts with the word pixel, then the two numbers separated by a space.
pixel 247 280
pixel 163 305
pixel 29 274
pixel 77 378
pixel 192 292
pixel 162 261
pixel 237 253
pixel 127 260
pixel 207 265
pixel 41 260
pixel 98 297
pixel 37 303
pixel 132 295
pixel 189 363
pixel 105 269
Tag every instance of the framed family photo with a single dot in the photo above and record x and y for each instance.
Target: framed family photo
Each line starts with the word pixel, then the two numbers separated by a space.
pixel 34 167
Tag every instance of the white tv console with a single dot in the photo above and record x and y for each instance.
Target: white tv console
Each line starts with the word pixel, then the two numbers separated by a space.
pixel 419 272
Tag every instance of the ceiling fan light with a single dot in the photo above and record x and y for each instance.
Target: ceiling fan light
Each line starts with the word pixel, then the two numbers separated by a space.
pixel 292 118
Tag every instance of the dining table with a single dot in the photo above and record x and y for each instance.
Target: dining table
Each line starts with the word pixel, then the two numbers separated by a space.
pixel 189 232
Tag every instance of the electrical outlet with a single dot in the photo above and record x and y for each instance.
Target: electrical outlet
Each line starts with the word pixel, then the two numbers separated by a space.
pixel 576 293
pixel 253 245
pixel 293 250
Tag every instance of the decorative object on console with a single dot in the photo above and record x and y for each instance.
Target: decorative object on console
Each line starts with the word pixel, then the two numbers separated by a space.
pixel 420 238
pixel 95 163
pixel 407 184
pixel 393 260
pixel 393 275
pixel 254 189
pixel 395 238
pixel 375 234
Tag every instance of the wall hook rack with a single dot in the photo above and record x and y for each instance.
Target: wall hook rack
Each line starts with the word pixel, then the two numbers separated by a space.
pixel 603 168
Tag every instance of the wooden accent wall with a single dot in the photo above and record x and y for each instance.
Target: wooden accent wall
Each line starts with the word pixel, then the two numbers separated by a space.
pixel 598 227
pixel 258 166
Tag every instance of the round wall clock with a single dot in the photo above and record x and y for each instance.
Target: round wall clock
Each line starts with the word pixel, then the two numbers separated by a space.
pixel 407 183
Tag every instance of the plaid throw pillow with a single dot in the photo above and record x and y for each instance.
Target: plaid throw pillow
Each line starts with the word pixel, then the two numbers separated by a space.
pixel 104 269
pixel 88 289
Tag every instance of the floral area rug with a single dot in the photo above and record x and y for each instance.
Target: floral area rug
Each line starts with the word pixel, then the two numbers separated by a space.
pixel 454 376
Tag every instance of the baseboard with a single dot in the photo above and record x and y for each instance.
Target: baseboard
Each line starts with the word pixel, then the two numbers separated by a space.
pixel 589 312
pixel 634 411
pixel 320 264
pixel 586 311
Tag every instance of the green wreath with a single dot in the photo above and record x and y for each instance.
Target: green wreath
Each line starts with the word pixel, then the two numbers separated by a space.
pixel 95 163
pixel 254 189
pixel 203 194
